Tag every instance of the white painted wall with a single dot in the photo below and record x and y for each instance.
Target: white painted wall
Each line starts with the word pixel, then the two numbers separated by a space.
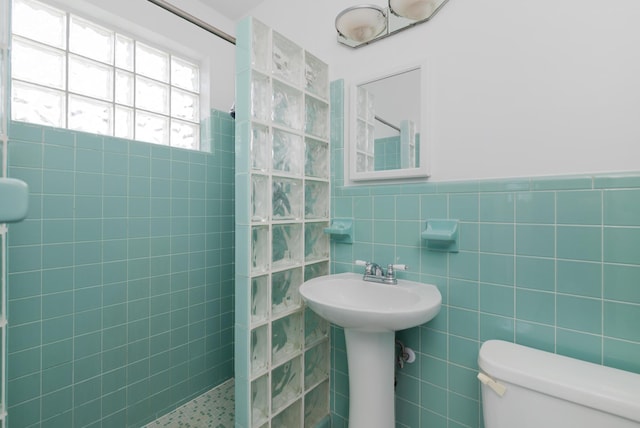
pixel 519 88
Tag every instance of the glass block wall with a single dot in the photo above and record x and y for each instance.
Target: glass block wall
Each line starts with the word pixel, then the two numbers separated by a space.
pixel 282 207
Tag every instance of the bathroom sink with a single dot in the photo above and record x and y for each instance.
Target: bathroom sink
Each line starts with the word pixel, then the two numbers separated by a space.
pixel 348 301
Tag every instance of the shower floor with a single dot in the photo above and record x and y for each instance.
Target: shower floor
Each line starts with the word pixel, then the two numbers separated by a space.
pixel 213 409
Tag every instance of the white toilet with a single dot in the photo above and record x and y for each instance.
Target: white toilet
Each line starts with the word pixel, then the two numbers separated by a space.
pixel 528 388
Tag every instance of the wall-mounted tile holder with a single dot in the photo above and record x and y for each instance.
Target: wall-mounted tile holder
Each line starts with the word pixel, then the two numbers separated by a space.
pixel 341 230
pixel 441 235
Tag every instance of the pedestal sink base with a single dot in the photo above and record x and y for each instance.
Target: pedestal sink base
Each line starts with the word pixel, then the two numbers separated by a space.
pixel 371 359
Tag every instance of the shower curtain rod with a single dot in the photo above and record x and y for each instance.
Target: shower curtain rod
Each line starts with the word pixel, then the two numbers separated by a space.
pixel 195 21
pixel 389 124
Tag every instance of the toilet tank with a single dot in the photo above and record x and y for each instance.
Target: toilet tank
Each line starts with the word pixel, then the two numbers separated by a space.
pixel 535 389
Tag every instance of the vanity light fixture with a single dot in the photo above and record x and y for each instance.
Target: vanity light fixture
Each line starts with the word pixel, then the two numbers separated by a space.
pixel 363 24
pixel 416 10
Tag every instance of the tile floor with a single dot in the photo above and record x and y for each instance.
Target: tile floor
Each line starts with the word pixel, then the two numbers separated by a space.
pixel 213 409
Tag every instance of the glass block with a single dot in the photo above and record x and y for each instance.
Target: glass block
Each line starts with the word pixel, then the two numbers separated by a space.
pixel 315 270
pixel 152 128
pixel 287 152
pixel 316 199
pixel 371 107
pixel 260 401
pixel 361 135
pixel 287 60
pixel 185 135
pixel 362 103
pixel 152 62
pixel 38 64
pixel 316 405
pixel 286 384
pixel 286 338
pixel 91 40
pixel 287 106
pixel 260 97
pixel 123 125
pixel 185 105
pixel 152 95
pixel 185 75
pixel 371 139
pixel 260 198
pixel 36 104
pixel 316 117
pixel 124 52
pixel 289 418
pixel 286 198
pixel 259 350
pixel 316 75
pixel 89 115
pixel 284 291
pixel 90 78
pixel 260 147
pixel 316 364
pixel 124 88
pixel 316 328
pixel 40 22
pixel 260 46
pixel 259 299
pixel 316 158
pixel 259 249
pixel 316 242
pixel 287 245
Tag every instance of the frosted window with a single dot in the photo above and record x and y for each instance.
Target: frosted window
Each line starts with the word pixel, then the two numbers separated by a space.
pixel 124 52
pixel 152 62
pixel 151 95
pixel 123 122
pixel 152 128
pixel 90 78
pixel 124 88
pixel 184 105
pixel 36 104
pixel 40 22
pixel 102 82
pixel 185 74
pixel 86 114
pixel 36 63
pixel 90 40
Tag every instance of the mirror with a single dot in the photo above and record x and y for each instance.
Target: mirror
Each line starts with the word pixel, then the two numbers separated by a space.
pixel 386 131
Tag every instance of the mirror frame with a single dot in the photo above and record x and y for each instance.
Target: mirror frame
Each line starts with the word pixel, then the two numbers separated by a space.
pixel 426 124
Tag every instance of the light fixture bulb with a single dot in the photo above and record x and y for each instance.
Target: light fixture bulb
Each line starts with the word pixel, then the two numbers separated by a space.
pixel 413 9
pixel 361 23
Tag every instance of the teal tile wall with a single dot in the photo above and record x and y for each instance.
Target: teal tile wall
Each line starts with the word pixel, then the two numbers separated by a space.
pixel 120 281
pixel 551 263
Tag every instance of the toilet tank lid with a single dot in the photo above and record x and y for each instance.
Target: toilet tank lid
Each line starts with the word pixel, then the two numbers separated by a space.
pixel 604 388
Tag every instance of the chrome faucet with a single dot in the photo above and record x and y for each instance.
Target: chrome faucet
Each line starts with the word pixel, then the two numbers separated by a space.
pixel 374 273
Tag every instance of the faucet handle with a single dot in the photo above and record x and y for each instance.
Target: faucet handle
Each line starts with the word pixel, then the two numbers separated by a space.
pixel 360 263
pixel 399 267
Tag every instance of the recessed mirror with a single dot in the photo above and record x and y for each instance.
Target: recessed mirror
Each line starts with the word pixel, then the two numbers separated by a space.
pixel 386 127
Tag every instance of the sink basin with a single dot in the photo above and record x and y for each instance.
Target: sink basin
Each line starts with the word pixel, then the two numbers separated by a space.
pixel 348 301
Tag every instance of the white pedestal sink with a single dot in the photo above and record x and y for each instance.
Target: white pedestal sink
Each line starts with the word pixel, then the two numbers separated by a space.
pixel 370 313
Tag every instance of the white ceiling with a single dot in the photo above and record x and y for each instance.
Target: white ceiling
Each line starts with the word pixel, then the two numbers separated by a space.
pixel 232 9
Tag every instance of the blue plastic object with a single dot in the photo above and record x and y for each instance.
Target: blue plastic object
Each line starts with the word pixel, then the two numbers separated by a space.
pixel 14 200
pixel 341 230
pixel 442 235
